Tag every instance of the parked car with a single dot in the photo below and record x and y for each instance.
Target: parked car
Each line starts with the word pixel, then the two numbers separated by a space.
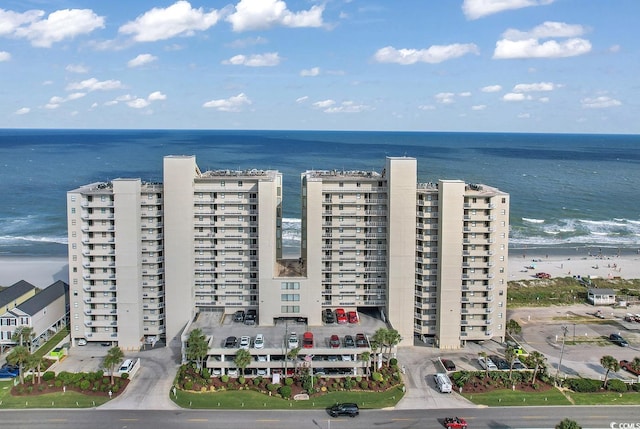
pixel 617 339
pixel 487 364
pixel 361 341
pixel 232 372
pixel 293 340
pixel 307 340
pixel 258 343
pixel 230 342
pixel 348 341
pixel 334 342
pixel 250 318
pixel 328 316
pixel 543 275
pixel 455 423
pixel 448 365
pixel 341 316
pixel 500 362
pixel 517 364
pixel 352 316
pixel 238 316
pixel 348 409
pixel 81 342
pixel 245 342
pixel 628 365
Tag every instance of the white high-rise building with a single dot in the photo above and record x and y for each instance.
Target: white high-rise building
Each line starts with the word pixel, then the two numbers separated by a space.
pixel 146 258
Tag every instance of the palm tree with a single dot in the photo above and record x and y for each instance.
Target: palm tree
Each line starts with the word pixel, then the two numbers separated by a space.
pixel 242 359
pixel 34 362
pixel 379 338
pixel 483 355
pixel 510 356
pixel 197 347
pixel 392 339
pixel 293 355
pixel 20 356
pixel 365 358
pixel 568 424
pixel 513 328
pixel 23 336
pixel 538 361
pixel 112 359
pixel 610 364
pixel 635 364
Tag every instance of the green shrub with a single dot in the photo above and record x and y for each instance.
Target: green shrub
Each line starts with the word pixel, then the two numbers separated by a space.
pixel 272 387
pixel 188 385
pixel 242 380
pixel 285 391
pixel 85 384
pixel 124 375
pixel 257 381
pixel 48 375
pixel 393 362
pixel 288 381
pixel 205 373
pixel 358 378
pixel 224 378
pixel 57 383
pixel 364 384
pixel 583 385
pixel 376 376
pixel 617 386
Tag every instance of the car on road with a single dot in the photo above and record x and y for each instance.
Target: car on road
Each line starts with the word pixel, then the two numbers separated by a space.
pixel 307 340
pixel 487 364
pixel 328 316
pixel 629 366
pixel 448 365
pixel 347 409
pixel 352 316
pixel 238 316
pixel 230 342
pixel 543 275
pixel 245 342
pixel 617 339
pixel 293 340
pixel 258 342
pixel 341 315
pixel 455 423
pixel 349 341
pixel 361 341
pixel 334 341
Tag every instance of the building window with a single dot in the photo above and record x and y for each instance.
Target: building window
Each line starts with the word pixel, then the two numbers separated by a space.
pixel 290 309
pixel 289 297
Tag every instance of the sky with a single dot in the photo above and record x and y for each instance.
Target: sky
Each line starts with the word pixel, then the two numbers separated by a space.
pixel 549 66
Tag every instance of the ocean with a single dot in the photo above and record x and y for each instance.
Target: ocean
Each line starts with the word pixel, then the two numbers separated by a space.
pixel 573 191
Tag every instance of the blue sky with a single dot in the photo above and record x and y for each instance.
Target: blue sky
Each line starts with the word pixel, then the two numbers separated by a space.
pixel 568 66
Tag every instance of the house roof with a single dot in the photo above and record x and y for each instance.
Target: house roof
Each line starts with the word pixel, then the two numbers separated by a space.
pixel 601 291
pixel 45 297
pixel 15 291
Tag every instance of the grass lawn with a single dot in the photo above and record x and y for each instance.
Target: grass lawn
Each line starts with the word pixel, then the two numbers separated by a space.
pixel 507 397
pixel 249 399
pixel 51 400
pixel 609 398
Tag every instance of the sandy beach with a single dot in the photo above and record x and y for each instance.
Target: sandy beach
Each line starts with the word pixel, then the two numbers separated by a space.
pixel 558 262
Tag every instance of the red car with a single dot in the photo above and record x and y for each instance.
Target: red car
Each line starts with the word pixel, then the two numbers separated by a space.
pixel 455 423
pixel 334 342
pixel 625 364
pixel 307 340
pixel 341 316
pixel 352 316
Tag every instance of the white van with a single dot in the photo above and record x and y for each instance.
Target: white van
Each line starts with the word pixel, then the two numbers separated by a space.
pixel 443 383
pixel 126 366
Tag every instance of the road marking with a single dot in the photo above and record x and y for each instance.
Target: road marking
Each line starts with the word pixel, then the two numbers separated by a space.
pixel 402 420
pixel 58 420
pixel 197 420
pixel 128 420
pixel 268 420
pixel 534 417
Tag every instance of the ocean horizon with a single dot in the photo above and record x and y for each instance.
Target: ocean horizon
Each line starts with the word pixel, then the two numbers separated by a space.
pixel 567 190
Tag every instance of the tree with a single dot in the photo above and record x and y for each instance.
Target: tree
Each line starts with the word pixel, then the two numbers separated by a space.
pixel 513 328
pixel 20 356
pixel 378 339
pixel 483 355
pixel 568 424
pixel 242 359
pixel 392 339
pixel 34 362
pixel 538 361
pixel 197 347
pixel 635 364
pixel 610 364
pixel 112 359
pixel 365 358
pixel 293 355
pixel 510 356
pixel 23 335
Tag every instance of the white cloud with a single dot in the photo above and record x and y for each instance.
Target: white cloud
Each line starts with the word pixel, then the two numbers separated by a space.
pixel 524 115
pixel 249 41
pixel 546 30
pixel 474 9
pixel 543 99
pixel 263 14
pixel 513 96
pixel 178 19
pixel 75 96
pixel 258 60
pixel 491 88
pixel 56 101
pixel 10 21
pixel 141 60
pixel 445 97
pixel 601 102
pixel 4 56
pixel 348 107
pixel 231 104
pixel 464 94
pixel 324 104
pixel 156 96
pixel 77 68
pixel 528 44
pixel 426 107
pixel 138 103
pixel 614 49
pixel 59 25
pixel 302 99
pixel 432 55
pixel 23 111
pixel 314 71
pixel 94 84
pixel 479 107
pixel 535 87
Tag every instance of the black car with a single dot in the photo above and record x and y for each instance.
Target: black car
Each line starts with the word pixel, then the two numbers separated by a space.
pixel 231 342
pixel 617 339
pixel 328 316
pixel 349 409
pixel 250 318
pixel 348 341
pixel 448 365
pixel 238 316
pixel 500 362
pixel 361 341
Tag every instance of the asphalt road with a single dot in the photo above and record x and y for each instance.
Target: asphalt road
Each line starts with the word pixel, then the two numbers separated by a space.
pixel 503 418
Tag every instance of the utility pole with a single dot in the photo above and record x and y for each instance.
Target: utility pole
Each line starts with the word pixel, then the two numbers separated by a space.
pixel 564 337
